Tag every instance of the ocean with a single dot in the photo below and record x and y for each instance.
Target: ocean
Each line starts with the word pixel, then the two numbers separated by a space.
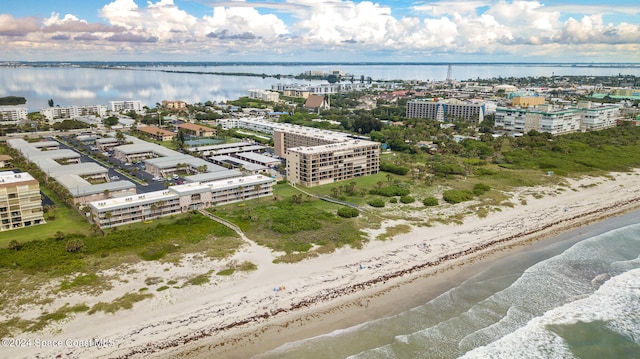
pixel 574 296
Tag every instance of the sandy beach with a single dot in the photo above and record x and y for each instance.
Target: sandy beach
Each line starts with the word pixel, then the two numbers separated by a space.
pixel 249 313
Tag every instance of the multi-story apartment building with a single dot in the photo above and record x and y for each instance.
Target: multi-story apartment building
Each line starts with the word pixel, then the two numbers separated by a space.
pixel 548 118
pixel 264 95
pixel 117 106
pixel 318 165
pixel 598 117
pixel 20 201
pixel 62 113
pixel 284 138
pixel 561 121
pixel 446 110
pixel 12 115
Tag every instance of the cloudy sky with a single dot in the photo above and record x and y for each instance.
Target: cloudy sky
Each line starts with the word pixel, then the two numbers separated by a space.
pixel 313 30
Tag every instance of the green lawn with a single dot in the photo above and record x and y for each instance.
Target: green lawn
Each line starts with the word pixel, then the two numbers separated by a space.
pixel 66 220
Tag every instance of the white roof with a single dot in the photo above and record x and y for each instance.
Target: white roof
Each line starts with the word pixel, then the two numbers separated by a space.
pixel 9 177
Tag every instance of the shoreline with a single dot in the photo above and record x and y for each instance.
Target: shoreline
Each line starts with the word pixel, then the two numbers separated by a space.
pixel 441 275
pixel 245 315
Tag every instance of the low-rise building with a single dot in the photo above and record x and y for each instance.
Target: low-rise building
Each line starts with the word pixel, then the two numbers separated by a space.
pixel 174 105
pixel 197 130
pixel 178 199
pixel 316 103
pixel 20 201
pixel 157 133
pixel 5 161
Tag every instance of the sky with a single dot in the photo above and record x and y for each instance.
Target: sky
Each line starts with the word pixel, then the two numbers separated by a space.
pixel 321 31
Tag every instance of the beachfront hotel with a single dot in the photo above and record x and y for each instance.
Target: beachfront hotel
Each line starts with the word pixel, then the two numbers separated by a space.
pixel 178 199
pixel 20 201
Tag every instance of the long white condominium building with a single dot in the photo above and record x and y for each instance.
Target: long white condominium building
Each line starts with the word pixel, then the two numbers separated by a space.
pixel 12 115
pixel 61 113
pixel 446 110
pixel 318 165
pixel 178 199
pixel 117 106
pixel 547 118
pixel 20 201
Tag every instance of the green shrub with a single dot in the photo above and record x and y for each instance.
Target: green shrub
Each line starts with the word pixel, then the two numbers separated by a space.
pixel 430 201
pixel 444 169
pixel 407 199
pixel 228 271
pixel 480 188
pixel 378 203
pixel 390 167
pixel 390 191
pixel 393 200
pixel 348 212
pixel 454 196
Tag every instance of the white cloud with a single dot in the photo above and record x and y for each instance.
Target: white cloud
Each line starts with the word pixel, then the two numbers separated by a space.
pixel 251 28
pixel 123 13
pixel 242 22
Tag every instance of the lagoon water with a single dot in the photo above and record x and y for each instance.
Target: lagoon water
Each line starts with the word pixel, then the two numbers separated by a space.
pixel 151 83
pixel 576 296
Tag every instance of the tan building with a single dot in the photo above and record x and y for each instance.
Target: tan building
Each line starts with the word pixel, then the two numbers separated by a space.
pixel 197 130
pixel 5 161
pixel 157 133
pixel 284 138
pixel 20 201
pixel 318 165
pixel 174 105
pixel 528 101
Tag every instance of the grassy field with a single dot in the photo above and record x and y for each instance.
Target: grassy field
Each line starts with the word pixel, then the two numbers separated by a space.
pixel 293 223
pixel 66 220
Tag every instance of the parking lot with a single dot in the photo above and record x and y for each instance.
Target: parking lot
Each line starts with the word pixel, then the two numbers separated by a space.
pixel 117 169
